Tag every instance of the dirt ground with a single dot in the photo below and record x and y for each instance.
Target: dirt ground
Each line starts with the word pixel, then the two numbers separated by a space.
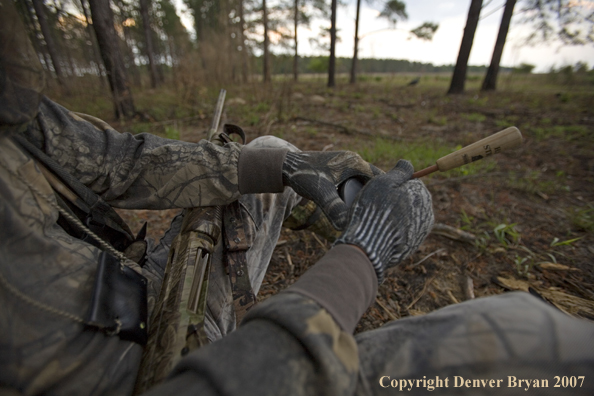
pixel 523 222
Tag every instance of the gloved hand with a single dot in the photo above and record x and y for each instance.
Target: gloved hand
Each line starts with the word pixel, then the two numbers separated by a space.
pixel 390 218
pixel 316 175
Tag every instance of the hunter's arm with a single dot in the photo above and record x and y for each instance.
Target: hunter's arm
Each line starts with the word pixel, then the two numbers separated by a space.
pixel 296 343
pixel 145 171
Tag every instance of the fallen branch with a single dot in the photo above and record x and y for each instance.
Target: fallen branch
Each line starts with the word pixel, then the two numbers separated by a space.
pixel 469 288
pixel 291 266
pixel 453 233
pixel 567 303
pixel 429 255
pixel 388 312
pixel 422 293
pixel 451 296
pixel 580 289
pixel 320 242
pixel 277 277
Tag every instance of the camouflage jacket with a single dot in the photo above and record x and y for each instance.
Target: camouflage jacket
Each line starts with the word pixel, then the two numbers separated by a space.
pixel 140 171
pixel 287 345
pixel 43 269
pixel 42 352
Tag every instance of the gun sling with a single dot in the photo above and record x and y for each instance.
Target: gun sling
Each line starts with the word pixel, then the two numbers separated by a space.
pixel 118 304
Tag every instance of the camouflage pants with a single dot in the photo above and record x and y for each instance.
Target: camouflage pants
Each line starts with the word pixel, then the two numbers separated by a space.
pixel 507 337
pixel 264 214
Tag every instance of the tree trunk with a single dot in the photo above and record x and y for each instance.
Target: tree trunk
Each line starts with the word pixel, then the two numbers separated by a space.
pixel 226 29
pixel 160 71
pixel 29 17
pixel 49 41
pixel 144 13
pixel 71 62
pixel 244 53
pixel 195 8
pixel 108 41
pixel 93 39
pixel 171 51
pixel 490 82
pixel 266 66
pixel 129 58
pixel 332 60
pixel 199 22
pixel 296 57
pixel 459 77
pixel 64 45
pixel 356 50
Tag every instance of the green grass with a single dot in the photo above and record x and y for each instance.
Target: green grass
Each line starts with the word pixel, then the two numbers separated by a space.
pixel 262 107
pixel 466 221
pixel 566 132
pixel 99 106
pixel 368 78
pixel 476 101
pixel 252 119
pixel 503 123
pixel 507 122
pixel 164 106
pixel 311 131
pixel 474 117
pixel 386 153
pixel 506 234
pixel 532 182
pixel 435 119
pixel 171 133
pixel 557 242
pixel 138 127
pixel 582 218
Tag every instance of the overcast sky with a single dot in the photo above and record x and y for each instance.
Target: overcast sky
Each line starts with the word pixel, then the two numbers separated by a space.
pixel 451 17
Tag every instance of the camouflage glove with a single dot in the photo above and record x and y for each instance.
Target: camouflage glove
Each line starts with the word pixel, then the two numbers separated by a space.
pixel 316 175
pixel 390 218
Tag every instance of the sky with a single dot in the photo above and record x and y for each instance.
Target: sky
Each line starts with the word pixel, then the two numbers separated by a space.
pixel 377 42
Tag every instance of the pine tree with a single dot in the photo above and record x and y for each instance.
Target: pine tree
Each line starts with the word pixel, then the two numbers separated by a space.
pixel 108 41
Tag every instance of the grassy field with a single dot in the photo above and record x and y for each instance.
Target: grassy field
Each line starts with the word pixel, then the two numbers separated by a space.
pixel 530 212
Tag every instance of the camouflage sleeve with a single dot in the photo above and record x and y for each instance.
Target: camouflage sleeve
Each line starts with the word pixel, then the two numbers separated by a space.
pixel 141 171
pixel 287 345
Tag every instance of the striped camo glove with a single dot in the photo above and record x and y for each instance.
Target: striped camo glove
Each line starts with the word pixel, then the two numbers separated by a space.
pixel 390 218
pixel 316 175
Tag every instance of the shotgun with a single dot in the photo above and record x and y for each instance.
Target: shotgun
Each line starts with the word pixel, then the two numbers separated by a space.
pixel 177 322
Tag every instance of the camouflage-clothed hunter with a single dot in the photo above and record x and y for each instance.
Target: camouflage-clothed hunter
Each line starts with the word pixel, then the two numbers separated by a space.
pixel 44 263
pixel 47 275
pixel 298 342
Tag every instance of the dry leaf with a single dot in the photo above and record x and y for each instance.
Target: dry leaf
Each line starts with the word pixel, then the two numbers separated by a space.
pixel 556 267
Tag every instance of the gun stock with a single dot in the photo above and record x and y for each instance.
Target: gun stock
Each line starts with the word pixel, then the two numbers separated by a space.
pixel 177 322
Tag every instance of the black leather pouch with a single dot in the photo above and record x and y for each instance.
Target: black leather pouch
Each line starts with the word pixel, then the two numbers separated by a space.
pixel 119 302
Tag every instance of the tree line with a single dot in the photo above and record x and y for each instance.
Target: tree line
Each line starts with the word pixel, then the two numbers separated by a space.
pixel 283 64
pixel 115 39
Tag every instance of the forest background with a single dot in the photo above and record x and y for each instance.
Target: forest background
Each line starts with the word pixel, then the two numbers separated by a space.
pixel 231 40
